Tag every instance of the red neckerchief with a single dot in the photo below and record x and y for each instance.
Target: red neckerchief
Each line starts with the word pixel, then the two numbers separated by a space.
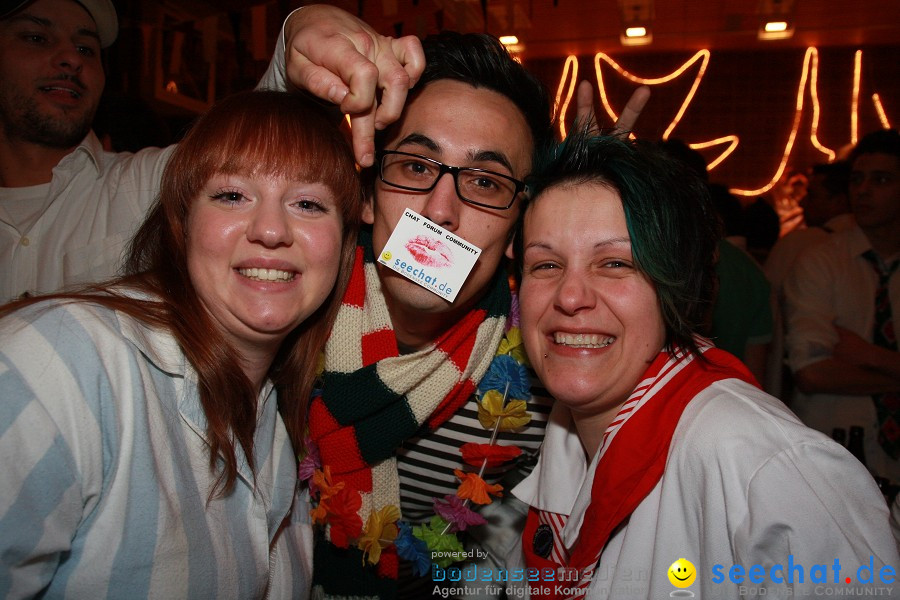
pixel 635 459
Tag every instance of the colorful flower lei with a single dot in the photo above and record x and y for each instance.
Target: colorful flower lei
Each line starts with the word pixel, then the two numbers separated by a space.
pixel 501 407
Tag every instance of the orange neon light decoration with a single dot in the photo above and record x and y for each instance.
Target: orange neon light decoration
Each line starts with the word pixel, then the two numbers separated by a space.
pixel 732 141
pixel 560 110
pixel 814 95
pixel 701 55
pixel 882 116
pixel 809 73
pixel 798 112
pixel 854 108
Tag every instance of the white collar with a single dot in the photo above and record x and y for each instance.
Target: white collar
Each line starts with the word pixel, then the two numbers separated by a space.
pixel 562 478
pixel 91 147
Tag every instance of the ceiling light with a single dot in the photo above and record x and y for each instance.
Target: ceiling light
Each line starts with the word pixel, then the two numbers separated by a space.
pixel 637 17
pixel 776 19
pixel 636 35
pixel 509 40
pixel 775 30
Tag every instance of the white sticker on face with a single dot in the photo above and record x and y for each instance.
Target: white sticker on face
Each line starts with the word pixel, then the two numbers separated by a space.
pixel 429 255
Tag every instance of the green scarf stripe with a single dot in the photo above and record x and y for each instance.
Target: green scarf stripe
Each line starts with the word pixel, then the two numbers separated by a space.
pixel 383 433
pixel 496 302
pixel 338 571
pixel 364 240
pixel 351 397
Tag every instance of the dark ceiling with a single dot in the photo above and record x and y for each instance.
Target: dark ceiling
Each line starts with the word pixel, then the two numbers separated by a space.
pixel 553 28
pixel 558 28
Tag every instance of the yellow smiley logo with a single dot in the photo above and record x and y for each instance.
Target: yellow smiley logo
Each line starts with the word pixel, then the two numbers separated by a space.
pixel 682 573
pixel 386 255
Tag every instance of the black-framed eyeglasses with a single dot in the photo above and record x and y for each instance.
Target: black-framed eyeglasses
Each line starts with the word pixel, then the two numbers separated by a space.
pixel 419 173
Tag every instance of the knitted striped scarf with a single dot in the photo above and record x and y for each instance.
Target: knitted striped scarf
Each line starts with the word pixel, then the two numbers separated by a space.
pixel 373 399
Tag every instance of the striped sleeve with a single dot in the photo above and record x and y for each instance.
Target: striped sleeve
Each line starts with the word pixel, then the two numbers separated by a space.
pixel 105 480
pixel 44 480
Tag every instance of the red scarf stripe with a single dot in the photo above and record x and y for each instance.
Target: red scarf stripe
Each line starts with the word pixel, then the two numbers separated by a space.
pixel 642 388
pixel 632 462
pixel 634 401
pixel 458 396
pixel 622 415
pixel 389 564
pixel 340 450
pixel 320 419
pixel 459 341
pixel 360 481
pixel 377 345
pixel 356 287
pixel 557 523
pixel 656 373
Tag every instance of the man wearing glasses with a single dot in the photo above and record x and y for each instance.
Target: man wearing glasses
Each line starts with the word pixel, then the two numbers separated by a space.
pixel 482 139
pixel 392 418
pixel 403 364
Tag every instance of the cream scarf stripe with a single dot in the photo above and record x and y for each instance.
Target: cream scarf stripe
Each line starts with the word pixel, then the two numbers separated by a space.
pixel 344 347
pixel 426 392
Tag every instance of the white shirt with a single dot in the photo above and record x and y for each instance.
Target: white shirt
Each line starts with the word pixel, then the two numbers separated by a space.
pixel 96 201
pixel 832 284
pixel 787 249
pixel 778 265
pixel 745 483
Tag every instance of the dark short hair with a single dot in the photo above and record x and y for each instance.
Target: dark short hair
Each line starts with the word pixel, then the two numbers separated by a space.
pixel 835 176
pixel 680 150
pixel 883 141
pixel 729 209
pixel 670 219
pixel 481 61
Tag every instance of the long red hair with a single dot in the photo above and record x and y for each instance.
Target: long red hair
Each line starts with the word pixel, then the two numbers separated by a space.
pixel 252 133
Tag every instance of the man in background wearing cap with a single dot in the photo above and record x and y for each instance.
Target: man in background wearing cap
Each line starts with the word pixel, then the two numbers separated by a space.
pixel 67 208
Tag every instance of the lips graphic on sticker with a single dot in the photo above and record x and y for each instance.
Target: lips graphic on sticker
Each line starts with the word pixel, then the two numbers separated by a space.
pixel 430 252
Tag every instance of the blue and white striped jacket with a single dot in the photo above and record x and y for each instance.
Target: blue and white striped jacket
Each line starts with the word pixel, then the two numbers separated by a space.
pixel 105 477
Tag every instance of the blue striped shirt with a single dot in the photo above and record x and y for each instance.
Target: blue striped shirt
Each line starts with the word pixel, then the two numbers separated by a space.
pixel 105 477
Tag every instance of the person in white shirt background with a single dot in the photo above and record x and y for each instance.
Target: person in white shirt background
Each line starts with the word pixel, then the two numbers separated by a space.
pixel 843 377
pixel 67 207
pixel 826 210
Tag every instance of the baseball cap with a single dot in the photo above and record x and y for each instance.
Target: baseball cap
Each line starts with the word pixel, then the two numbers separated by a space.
pixel 102 11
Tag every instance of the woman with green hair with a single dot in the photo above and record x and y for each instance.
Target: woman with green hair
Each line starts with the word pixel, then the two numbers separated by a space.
pixel 665 469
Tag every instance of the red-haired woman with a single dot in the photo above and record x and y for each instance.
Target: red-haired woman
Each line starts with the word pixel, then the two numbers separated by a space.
pixel 146 424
